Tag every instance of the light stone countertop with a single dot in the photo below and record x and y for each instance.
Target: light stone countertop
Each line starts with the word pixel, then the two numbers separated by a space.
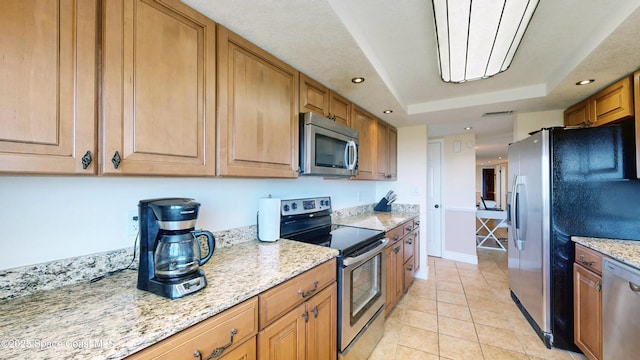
pixel 377 220
pixel 111 318
pixel 626 251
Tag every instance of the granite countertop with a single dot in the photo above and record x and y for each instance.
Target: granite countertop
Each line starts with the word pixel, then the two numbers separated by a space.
pixel 377 220
pixel 111 318
pixel 625 251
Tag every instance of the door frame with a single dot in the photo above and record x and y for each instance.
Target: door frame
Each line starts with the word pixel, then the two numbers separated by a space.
pixel 430 221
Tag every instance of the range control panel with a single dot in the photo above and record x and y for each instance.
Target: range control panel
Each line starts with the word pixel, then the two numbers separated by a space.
pixel 305 206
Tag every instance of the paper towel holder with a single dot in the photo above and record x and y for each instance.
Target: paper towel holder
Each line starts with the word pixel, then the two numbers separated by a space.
pixel 258 227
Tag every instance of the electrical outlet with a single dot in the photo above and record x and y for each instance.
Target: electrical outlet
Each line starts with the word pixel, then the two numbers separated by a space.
pixel 133 225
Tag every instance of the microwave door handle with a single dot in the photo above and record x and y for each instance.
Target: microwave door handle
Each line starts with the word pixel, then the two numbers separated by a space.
pixel 350 161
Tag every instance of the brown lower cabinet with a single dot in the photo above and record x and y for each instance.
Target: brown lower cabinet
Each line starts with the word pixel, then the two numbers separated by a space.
pixel 309 331
pixel 587 305
pixel 297 319
pixel 233 331
pixel 401 256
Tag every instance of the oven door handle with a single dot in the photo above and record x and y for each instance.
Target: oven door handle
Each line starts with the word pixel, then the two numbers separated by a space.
pixel 350 261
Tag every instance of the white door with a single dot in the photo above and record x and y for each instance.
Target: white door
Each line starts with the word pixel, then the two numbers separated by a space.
pixel 434 205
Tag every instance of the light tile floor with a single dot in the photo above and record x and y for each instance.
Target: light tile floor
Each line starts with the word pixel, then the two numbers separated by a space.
pixel 462 311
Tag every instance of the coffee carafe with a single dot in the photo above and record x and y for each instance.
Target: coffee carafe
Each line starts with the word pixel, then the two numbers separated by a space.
pixel 170 250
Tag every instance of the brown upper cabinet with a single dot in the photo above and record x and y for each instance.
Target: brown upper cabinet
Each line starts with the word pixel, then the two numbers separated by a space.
pixel 613 103
pixel 636 92
pixel 158 89
pixel 48 102
pixel 387 151
pixel 580 114
pixel 317 98
pixel 378 147
pixel 365 123
pixel 340 109
pixel 257 111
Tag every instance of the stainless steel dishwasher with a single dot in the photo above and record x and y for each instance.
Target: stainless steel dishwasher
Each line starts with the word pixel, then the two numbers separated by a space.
pixel 620 310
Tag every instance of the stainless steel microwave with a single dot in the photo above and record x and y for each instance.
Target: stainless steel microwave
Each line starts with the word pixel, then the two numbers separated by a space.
pixel 326 147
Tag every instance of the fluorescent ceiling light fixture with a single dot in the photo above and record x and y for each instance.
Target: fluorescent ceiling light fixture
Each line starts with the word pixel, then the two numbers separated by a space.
pixel 479 38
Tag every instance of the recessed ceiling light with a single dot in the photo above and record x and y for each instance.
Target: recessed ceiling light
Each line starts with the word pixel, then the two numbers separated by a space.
pixel 499 157
pixel 388 111
pixel 468 128
pixel 585 82
pixel 357 80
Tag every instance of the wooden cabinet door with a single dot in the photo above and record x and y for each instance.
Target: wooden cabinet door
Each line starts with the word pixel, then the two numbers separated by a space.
pixel 158 89
pixel 285 339
pixel 393 153
pixel 314 96
pixel 636 97
pixel 48 86
pixel 382 152
pixel 399 270
pixel 257 111
pixel 615 102
pixel 416 244
pixel 322 329
pixel 587 309
pixel 394 275
pixel 580 114
pixel 339 109
pixel 365 123
pixel 409 272
pixel 390 279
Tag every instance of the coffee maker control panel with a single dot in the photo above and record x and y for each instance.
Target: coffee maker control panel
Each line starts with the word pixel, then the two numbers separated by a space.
pixel 305 206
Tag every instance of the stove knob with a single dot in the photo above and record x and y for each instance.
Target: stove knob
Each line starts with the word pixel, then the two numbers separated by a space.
pixel 285 208
pixel 294 206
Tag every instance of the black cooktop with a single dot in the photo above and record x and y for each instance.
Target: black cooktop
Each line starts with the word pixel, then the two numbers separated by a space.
pixel 346 239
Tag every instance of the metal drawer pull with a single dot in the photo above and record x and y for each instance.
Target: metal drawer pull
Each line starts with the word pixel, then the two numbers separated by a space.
pixel 86 160
pixel 217 352
pixel 310 292
pixel 315 312
pixel 585 262
pixel 598 286
pixel 634 287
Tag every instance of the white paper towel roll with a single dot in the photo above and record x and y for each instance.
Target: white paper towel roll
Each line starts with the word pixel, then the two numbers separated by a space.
pixel 268 219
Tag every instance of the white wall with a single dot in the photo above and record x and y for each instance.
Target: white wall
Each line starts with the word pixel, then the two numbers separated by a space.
pixel 411 186
pixel 527 122
pixel 45 218
pixel 459 195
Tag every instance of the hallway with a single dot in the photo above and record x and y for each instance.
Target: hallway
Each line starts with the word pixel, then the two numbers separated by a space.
pixel 462 312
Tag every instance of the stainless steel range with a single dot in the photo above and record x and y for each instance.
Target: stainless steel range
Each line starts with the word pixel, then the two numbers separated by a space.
pixel 360 273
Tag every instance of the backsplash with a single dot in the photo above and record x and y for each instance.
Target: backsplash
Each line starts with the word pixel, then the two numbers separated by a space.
pixel 26 280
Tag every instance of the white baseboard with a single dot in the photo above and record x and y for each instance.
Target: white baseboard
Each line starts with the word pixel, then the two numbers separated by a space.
pixel 456 256
pixel 423 273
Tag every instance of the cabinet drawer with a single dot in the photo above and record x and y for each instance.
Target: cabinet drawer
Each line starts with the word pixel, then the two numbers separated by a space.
pixel 409 226
pixel 279 300
pixel 395 234
pixel 588 258
pixel 208 335
pixel 409 245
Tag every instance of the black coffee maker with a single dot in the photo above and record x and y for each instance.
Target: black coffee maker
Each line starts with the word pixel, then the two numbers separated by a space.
pixel 170 253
